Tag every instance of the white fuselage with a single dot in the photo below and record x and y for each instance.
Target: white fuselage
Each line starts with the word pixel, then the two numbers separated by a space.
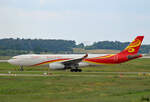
pixel 45 59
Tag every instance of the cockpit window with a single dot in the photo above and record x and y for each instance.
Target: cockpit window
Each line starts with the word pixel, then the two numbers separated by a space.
pixel 14 57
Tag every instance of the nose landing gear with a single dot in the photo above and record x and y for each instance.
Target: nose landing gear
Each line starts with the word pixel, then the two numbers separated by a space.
pixel 21 68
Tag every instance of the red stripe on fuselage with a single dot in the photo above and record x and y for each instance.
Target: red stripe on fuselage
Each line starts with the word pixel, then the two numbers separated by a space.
pixel 50 61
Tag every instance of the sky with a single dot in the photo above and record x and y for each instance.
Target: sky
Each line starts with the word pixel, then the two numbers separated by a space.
pixel 84 21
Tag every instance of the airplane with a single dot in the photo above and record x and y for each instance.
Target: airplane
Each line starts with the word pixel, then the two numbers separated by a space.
pixel 74 62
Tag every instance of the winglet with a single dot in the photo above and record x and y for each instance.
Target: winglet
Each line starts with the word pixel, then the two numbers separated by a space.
pixel 85 56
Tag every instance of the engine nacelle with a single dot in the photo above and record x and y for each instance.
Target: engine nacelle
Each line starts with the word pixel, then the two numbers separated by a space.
pixel 56 65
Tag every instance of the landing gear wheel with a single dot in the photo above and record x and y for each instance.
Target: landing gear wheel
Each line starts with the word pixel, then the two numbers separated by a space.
pixel 76 70
pixel 21 68
pixel 72 70
pixel 79 70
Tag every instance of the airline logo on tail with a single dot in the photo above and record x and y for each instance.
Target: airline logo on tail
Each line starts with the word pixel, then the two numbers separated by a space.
pixel 133 45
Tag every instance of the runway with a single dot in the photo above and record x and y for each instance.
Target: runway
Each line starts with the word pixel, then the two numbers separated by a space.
pixel 84 74
pixel 146 57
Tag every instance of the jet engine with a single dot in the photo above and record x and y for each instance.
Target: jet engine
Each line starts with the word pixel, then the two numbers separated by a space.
pixel 56 65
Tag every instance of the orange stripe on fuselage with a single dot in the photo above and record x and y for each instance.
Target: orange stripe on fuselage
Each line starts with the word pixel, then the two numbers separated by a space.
pixel 101 57
pixel 50 61
pixel 98 63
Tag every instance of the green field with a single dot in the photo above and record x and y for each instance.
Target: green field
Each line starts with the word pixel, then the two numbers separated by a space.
pixel 88 86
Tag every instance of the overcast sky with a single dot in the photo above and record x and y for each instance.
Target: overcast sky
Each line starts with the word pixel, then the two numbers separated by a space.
pixel 79 20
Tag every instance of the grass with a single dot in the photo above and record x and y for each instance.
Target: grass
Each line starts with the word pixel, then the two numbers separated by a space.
pixel 88 86
pixel 73 89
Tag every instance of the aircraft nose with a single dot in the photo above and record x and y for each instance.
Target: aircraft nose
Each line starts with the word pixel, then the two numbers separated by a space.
pixel 11 61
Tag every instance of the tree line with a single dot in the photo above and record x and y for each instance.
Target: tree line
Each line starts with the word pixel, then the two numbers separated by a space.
pixel 116 45
pixel 10 47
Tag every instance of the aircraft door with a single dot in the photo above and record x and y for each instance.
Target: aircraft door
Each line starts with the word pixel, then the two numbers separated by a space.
pixel 116 58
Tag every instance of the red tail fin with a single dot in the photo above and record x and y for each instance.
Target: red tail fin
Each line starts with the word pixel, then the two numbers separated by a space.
pixel 134 46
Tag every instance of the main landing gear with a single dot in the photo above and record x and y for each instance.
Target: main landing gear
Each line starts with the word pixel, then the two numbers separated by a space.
pixel 75 68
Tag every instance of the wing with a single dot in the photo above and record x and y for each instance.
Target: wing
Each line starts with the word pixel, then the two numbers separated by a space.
pixel 74 61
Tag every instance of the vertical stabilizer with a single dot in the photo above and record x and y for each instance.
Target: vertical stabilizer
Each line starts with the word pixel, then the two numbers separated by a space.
pixel 133 47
